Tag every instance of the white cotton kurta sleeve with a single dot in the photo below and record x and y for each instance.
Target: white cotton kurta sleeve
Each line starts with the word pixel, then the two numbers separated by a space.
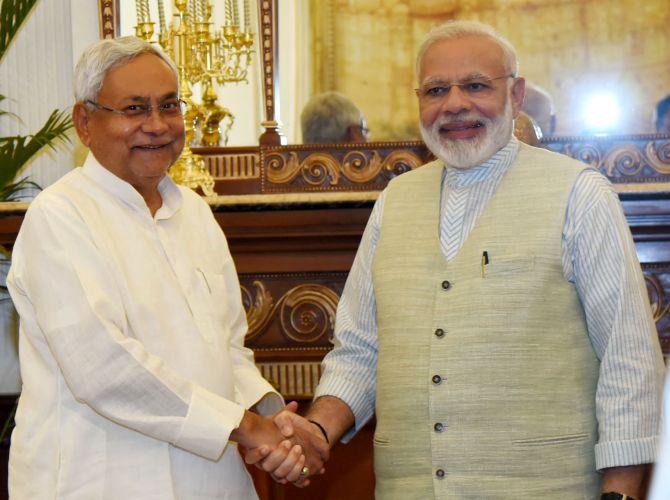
pixel 248 391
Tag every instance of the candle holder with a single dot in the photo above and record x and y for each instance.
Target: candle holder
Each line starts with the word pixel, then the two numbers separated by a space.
pixel 203 54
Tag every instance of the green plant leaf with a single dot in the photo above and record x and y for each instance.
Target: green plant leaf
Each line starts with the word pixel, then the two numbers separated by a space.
pixel 16 151
pixel 12 15
pixel 14 191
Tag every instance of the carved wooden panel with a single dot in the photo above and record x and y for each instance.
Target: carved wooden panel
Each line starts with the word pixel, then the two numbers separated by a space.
pixel 353 167
pixel 293 311
pixel 657 278
pixel 291 319
pixel 270 70
pixel 633 159
pixel 638 163
pixel 109 18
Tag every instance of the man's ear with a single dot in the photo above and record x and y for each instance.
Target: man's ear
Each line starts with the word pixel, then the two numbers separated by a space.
pixel 517 94
pixel 354 134
pixel 81 116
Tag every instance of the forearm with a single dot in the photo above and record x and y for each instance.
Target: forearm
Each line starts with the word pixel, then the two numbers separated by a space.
pixel 627 480
pixel 333 414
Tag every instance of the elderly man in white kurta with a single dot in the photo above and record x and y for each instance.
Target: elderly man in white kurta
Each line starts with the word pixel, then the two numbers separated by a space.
pixel 495 319
pixel 135 376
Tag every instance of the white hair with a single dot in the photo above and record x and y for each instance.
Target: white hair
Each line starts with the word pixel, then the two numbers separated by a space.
pixel 538 104
pixel 103 56
pixel 458 29
pixel 326 117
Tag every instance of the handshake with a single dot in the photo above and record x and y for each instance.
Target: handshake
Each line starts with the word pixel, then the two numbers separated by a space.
pixel 286 445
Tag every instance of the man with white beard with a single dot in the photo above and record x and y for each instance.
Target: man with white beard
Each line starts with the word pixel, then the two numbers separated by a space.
pixel 495 319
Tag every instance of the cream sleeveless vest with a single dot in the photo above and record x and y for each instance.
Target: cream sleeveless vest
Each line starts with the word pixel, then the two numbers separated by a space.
pixel 486 377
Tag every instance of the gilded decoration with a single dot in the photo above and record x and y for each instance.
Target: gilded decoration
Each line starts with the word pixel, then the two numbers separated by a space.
pixel 306 312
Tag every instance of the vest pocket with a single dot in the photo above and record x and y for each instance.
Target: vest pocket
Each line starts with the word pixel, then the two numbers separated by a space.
pixel 380 441
pixel 551 440
pixel 504 265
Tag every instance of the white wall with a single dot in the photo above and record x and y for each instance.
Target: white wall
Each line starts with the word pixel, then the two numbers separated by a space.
pixel 36 78
pixel 294 65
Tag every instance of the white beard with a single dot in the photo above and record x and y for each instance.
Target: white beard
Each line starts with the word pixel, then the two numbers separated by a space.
pixel 466 153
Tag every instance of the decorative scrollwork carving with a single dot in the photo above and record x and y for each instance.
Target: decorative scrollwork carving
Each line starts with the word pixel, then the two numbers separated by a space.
pixel 618 159
pixel 658 155
pixel 306 312
pixel 625 159
pixel 656 294
pixel 320 168
pixel 259 308
pixel 357 168
pixel 399 162
pixel 587 153
pixel 281 171
pixel 317 169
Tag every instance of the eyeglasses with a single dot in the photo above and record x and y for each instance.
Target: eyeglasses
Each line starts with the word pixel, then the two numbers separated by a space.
pixel 474 88
pixel 169 109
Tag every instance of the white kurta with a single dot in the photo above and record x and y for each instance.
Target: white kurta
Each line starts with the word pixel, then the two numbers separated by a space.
pixel 131 347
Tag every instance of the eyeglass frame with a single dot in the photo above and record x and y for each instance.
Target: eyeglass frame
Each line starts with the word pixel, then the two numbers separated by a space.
pixel 147 112
pixel 449 86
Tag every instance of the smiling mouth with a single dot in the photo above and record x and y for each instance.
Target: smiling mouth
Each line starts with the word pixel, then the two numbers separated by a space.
pixel 456 127
pixel 150 147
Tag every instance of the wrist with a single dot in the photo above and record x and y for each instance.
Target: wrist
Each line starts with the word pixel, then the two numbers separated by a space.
pixel 615 495
pixel 321 429
pixel 243 432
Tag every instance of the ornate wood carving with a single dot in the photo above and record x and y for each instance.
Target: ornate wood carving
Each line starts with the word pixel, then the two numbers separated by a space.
pixel 291 312
pixel 293 379
pixel 291 320
pixel 657 278
pixel 637 163
pixel 270 69
pixel 633 159
pixel 306 312
pixel 109 18
pixel 337 167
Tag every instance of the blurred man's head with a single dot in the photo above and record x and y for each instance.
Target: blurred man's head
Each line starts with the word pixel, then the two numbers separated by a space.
pixel 469 92
pixel 331 118
pixel 539 105
pixel 663 116
pixel 128 110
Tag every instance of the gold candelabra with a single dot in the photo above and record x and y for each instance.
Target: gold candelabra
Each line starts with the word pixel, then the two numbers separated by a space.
pixel 203 54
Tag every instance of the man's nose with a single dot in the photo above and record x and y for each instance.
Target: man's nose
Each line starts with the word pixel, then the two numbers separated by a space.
pixel 155 122
pixel 455 101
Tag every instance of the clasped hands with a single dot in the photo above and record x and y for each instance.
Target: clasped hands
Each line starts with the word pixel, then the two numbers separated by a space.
pixel 301 452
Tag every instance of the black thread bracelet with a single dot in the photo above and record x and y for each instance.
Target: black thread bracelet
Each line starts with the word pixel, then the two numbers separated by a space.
pixel 323 431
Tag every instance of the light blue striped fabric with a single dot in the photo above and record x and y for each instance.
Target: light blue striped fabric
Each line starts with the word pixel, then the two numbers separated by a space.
pixel 598 256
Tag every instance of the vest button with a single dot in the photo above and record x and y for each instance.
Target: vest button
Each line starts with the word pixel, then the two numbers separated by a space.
pixel 446 285
pixel 439 473
pixel 439 427
pixel 439 333
pixel 437 379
